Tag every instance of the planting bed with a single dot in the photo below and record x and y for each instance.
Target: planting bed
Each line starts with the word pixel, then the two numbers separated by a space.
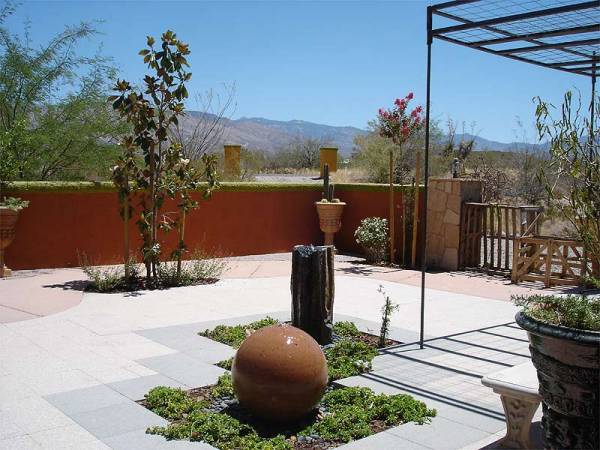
pixel 213 415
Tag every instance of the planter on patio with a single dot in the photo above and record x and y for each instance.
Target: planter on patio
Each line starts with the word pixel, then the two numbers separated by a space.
pixel 330 218
pixel 8 224
pixel 568 367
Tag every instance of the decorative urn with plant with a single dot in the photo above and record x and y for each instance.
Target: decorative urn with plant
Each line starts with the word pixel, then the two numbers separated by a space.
pixel 9 213
pixel 564 341
pixel 372 235
pixel 329 210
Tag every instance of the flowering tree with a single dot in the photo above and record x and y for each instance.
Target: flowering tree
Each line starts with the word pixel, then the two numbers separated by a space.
pixel 398 125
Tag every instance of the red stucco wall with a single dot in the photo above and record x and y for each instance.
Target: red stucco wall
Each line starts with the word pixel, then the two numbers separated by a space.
pixel 57 226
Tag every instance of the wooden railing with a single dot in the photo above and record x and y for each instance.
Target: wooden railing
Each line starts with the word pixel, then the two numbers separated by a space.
pixel 488 231
pixel 553 261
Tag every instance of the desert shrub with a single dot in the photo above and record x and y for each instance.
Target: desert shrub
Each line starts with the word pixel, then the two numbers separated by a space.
pixel 110 278
pixel 372 235
pixel 573 311
pixel 201 268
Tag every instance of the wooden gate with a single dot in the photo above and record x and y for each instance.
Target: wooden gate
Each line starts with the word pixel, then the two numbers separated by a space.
pixel 488 231
pixel 553 261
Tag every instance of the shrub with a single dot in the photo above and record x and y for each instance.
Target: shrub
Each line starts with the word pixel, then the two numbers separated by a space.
pixel 348 358
pixel 110 278
pixel 171 403
pixel 235 335
pixel 201 268
pixel 372 235
pixel 573 311
pixel 346 329
pixel 14 204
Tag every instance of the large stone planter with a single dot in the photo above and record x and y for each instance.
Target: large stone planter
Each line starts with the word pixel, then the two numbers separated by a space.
pixel 8 224
pixel 568 367
pixel 330 218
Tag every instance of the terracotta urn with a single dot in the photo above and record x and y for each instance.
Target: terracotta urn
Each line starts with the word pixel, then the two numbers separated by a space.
pixel 330 218
pixel 279 373
pixel 8 223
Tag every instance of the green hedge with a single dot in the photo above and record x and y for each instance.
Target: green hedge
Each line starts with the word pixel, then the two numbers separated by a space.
pixel 106 186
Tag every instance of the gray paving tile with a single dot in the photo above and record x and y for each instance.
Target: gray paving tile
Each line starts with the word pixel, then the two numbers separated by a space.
pixel 87 399
pixel 380 441
pixel 184 369
pixel 211 354
pixel 140 440
pixel 117 419
pixel 136 388
pixel 440 433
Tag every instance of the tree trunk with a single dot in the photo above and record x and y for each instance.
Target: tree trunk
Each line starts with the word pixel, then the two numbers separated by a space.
pixel 313 291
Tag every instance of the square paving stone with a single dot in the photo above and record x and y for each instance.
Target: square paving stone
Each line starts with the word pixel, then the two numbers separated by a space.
pixel 87 399
pixel 140 440
pixel 440 433
pixel 117 419
pixel 136 388
pixel 184 369
pixel 384 440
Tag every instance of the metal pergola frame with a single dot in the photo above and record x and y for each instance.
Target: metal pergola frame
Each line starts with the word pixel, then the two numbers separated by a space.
pixel 557 34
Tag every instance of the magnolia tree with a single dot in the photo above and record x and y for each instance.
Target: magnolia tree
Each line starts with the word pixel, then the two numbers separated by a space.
pixel 152 164
pixel 398 125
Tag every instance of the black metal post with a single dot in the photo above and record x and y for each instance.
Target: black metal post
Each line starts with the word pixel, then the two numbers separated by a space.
pixel 427 112
pixel 593 108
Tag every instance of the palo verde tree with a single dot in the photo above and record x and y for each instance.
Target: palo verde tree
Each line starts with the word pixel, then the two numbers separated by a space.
pixel 54 121
pixel 151 162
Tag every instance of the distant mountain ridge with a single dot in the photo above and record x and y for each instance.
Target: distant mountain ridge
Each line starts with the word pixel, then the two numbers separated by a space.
pixel 272 135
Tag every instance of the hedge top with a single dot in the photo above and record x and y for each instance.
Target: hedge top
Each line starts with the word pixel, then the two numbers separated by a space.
pixel 107 186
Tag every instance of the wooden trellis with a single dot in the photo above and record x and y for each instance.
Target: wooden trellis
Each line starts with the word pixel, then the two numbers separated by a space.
pixel 488 231
pixel 553 261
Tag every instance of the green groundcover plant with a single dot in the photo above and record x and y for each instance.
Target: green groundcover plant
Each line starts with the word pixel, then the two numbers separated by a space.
pixel 573 311
pixel 347 357
pixel 345 414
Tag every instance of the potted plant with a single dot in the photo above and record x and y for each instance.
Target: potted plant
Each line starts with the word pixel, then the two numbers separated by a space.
pixel 9 213
pixel 329 210
pixel 564 341
pixel 372 235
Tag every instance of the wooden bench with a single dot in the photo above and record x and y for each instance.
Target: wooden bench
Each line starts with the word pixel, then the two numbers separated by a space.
pixel 518 389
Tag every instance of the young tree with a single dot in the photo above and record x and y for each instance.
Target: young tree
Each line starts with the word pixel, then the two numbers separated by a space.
pixel 163 172
pixel 52 105
pixel 397 125
pixel 572 179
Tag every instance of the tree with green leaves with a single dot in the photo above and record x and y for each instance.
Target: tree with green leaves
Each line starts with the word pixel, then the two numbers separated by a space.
pixel 54 121
pixel 162 171
pixel 572 178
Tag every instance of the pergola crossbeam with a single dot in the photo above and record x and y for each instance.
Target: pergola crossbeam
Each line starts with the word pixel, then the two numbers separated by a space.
pixel 516 17
pixel 543 34
pixel 535 48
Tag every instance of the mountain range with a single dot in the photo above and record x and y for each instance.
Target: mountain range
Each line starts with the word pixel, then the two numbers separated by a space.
pixel 272 135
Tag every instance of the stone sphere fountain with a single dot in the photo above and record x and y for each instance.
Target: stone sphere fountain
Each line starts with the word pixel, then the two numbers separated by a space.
pixel 279 373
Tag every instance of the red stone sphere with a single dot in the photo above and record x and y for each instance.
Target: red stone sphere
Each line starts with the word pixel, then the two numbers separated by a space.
pixel 279 373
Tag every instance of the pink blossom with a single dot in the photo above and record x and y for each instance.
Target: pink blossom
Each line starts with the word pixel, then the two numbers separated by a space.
pixel 409 96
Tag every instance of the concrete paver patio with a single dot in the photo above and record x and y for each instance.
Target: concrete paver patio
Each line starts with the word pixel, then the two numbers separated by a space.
pixel 69 380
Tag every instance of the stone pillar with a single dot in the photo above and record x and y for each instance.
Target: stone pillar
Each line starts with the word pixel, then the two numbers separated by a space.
pixel 444 209
pixel 328 155
pixel 232 160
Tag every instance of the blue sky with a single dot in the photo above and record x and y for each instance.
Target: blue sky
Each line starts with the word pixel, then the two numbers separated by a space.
pixel 331 62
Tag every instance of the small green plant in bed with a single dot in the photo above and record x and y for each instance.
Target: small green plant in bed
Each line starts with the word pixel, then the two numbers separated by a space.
pixel 573 311
pixel 345 414
pixel 348 357
pixel 201 269
pixel 235 335
pixel 346 329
